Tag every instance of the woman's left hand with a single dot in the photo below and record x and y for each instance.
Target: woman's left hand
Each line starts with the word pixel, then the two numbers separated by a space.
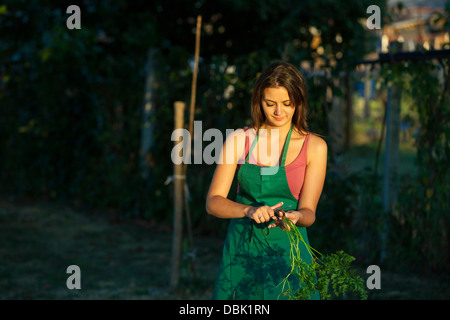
pixel 292 215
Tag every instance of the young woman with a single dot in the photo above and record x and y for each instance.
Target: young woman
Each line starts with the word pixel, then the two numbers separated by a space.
pixel 280 165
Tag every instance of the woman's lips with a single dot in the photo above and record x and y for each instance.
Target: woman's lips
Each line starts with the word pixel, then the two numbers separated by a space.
pixel 278 118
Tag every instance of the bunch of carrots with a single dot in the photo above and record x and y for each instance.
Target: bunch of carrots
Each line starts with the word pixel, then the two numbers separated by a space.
pixel 328 275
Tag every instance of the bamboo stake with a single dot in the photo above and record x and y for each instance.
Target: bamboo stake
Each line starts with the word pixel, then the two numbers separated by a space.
pixel 191 129
pixel 178 181
pixel 194 75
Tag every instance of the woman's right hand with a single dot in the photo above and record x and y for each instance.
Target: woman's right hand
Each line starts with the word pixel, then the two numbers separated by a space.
pixel 262 214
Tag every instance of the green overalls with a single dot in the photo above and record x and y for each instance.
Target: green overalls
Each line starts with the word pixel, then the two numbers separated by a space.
pixel 256 258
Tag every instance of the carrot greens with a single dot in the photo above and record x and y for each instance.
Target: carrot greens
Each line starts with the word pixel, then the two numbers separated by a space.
pixel 329 275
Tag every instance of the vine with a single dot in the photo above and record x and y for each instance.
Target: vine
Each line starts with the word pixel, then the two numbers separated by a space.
pixel 422 210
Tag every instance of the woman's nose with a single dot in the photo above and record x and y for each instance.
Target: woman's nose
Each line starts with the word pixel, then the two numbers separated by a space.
pixel 278 109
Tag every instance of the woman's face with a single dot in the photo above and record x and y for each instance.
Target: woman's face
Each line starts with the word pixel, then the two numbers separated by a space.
pixel 277 107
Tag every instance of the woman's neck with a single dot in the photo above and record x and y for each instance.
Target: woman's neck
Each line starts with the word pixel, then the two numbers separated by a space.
pixel 282 131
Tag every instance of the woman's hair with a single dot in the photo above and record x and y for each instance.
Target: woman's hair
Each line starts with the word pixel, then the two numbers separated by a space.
pixel 281 74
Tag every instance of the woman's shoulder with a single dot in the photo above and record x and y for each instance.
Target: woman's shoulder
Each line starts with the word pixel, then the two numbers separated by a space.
pixel 316 144
pixel 235 142
pixel 314 140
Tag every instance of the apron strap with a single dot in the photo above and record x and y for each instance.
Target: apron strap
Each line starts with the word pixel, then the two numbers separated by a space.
pixel 255 141
pixel 286 146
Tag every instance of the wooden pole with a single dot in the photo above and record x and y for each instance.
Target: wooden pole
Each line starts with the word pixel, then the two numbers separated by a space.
pixel 179 181
pixel 391 157
pixel 336 120
pixel 348 96
pixel 194 75
pixel 147 114
pixel 191 132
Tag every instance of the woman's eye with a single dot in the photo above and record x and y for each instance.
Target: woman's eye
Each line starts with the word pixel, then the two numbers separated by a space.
pixel 273 104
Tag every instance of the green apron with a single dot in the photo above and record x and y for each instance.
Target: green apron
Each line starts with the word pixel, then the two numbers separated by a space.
pixel 256 258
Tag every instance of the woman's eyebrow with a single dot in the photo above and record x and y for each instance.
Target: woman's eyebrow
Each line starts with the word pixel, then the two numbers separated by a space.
pixel 268 100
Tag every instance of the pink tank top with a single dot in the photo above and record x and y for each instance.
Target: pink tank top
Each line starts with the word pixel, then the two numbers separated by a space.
pixel 295 171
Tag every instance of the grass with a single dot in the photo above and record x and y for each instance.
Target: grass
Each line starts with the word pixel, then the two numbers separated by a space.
pixel 365 139
pixel 126 260
pixel 130 260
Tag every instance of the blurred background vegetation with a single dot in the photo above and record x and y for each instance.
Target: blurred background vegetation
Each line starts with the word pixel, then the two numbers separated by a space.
pixel 73 110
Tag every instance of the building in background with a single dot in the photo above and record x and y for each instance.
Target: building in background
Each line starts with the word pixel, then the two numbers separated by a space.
pixel 416 25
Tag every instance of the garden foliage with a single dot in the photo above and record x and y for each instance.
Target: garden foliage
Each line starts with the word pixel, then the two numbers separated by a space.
pixel 71 108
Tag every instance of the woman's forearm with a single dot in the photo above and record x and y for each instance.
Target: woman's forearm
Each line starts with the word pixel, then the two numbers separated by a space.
pixel 221 207
pixel 306 217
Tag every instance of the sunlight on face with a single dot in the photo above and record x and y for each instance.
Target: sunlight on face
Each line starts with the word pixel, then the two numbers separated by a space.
pixel 277 107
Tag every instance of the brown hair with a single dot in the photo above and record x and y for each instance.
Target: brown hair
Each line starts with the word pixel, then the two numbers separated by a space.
pixel 281 74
